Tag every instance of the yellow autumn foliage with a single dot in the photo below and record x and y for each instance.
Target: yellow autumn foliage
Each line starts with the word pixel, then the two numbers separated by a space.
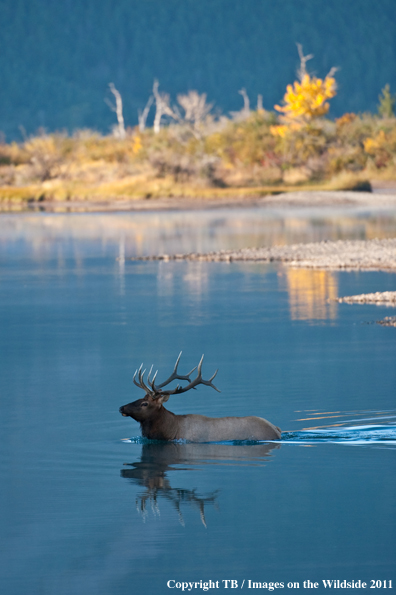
pixel 307 99
pixel 345 119
pixel 371 145
pixel 259 151
pixel 137 144
pixel 283 129
pixel 280 130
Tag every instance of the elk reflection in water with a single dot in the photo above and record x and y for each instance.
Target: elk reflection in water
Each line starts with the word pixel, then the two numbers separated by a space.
pixel 159 459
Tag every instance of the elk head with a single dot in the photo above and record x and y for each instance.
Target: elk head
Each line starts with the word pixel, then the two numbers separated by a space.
pixel 146 408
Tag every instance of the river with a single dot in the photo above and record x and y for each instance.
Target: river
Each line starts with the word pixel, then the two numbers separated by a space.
pixel 89 507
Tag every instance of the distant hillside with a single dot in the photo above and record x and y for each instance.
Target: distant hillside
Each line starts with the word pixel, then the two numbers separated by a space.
pixel 57 58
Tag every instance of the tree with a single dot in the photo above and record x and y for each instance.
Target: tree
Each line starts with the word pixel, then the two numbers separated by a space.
pixel 307 99
pixel 195 109
pixel 119 129
pixel 162 107
pixel 142 115
pixel 386 103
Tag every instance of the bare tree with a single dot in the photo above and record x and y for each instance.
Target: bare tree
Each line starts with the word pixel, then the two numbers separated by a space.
pixel 142 115
pixel 332 71
pixel 119 130
pixel 195 110
pixel 302 70
pixel 244 113
pixel 246 102
pixel 162 107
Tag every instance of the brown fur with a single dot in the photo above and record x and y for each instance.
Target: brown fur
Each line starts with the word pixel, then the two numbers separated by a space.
pixel 157 423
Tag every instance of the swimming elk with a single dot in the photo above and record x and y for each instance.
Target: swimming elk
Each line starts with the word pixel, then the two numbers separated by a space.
pixel 157 423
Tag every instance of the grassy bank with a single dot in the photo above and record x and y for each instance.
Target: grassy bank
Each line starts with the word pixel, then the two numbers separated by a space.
pixel 247 154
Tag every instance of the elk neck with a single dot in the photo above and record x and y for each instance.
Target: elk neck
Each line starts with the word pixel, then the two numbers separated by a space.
pixel 161 426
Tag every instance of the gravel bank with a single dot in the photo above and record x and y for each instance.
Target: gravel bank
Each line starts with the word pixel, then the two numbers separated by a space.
pixel 379 298
pixel 347 255
pixel 382 298
pixel 388 321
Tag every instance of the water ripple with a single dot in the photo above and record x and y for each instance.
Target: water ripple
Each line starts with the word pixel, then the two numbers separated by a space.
pixel 356 435
pixel 368 434
pixel 357 427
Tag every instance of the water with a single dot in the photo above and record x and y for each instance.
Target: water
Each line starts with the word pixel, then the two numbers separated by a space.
pixel 87 506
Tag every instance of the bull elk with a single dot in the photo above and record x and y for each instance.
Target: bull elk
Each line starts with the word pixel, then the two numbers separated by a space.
pixel 157 423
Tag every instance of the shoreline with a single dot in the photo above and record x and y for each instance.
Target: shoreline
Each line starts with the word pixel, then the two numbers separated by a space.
pixel 381 199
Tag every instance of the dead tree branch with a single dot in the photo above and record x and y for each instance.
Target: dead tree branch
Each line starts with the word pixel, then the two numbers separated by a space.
pixel 195 109
pixel 142 115
pixel 244 113
pixel 302 70
pixel 119 130
pixel 162 107
pixel 246 102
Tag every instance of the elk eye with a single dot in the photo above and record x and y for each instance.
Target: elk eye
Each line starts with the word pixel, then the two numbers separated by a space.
pixel 144 404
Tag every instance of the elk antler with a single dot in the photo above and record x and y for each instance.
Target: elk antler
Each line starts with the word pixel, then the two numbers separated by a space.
pixel 198 380
pixel 155 389
pixel 141 383
pixel 173 376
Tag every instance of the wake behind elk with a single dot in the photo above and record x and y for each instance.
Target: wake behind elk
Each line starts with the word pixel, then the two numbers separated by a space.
pixel 157 423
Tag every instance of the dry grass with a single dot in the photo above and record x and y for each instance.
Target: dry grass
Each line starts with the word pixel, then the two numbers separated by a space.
pixel 232 157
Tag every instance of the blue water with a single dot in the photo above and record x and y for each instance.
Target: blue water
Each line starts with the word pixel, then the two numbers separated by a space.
pixel 87 506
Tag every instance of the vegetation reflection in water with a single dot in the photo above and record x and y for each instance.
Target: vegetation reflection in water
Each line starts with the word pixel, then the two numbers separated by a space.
pixel 312 294
pixel 126 235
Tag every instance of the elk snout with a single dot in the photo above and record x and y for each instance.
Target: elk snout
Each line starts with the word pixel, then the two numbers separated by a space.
pixel 121 410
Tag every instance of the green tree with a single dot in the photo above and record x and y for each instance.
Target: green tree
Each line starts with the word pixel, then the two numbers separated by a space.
pixel 386 103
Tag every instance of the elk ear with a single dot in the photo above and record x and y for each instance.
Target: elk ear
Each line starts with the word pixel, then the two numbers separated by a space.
pixel 163 398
